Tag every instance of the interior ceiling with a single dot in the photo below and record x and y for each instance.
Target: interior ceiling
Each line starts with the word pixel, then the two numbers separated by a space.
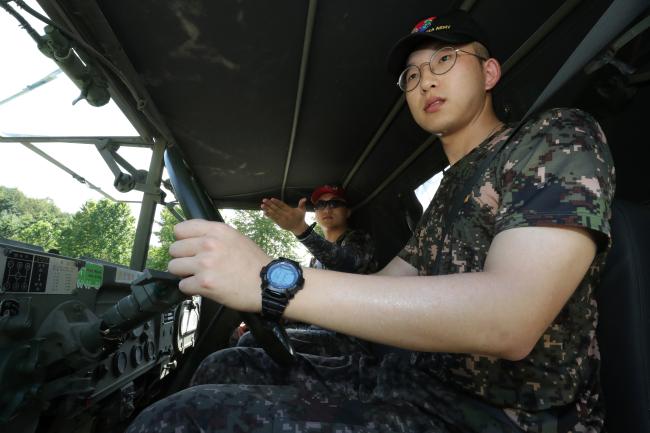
pixel 224 77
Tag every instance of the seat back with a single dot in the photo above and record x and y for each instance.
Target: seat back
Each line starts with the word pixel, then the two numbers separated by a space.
pixel 624 326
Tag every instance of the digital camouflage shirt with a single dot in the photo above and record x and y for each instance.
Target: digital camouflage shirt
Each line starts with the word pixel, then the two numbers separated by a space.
pixel 556 171
pixel 352 252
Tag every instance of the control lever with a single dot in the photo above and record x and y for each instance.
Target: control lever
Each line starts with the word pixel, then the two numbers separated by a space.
pixel 154 292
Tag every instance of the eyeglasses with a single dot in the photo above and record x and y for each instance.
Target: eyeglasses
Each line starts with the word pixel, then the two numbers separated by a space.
pixel 441 62
pixel 332 204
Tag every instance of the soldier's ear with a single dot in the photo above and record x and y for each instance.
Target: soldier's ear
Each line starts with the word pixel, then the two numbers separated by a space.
pixel 491 73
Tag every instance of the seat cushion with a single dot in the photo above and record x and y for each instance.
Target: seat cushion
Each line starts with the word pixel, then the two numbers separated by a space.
pixel 624 326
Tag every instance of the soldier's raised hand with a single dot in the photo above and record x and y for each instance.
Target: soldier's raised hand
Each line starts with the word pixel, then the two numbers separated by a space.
pixel 287 217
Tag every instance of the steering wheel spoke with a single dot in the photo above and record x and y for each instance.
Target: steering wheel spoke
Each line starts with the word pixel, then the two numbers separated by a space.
pixel 272 337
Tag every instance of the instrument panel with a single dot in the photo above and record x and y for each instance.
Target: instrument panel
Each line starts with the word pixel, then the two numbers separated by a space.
pixel 54 341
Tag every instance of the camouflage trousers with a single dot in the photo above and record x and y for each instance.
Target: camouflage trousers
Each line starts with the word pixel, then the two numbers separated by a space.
pixel 316 341
pixel 242 390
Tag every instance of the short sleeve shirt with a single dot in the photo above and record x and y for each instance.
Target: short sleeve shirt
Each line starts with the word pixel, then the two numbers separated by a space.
pixel 556 171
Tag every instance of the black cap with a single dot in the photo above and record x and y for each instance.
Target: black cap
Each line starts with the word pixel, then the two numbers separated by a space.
pixel 456 27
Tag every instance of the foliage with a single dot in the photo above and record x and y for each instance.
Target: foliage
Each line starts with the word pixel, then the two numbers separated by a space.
pixel 265 233
pixel 102 230
pixel 105 230
pixel 158 256
pixel 44 233
pixel 30 220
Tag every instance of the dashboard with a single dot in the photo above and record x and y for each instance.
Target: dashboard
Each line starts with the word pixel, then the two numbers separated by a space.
pixel 80 335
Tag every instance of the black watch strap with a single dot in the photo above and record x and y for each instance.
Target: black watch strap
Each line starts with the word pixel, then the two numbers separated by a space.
pixel 273 305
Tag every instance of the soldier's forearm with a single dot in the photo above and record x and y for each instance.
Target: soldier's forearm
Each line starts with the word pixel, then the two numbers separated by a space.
pixel 529 275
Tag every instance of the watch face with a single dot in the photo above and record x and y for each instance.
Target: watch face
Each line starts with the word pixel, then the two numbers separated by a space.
pixel 282 276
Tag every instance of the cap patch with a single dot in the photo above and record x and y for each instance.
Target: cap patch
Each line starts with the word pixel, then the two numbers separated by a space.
pixel 423 25
pixel 426 26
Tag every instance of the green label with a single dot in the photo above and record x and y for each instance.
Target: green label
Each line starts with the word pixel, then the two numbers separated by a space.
pixel 90 276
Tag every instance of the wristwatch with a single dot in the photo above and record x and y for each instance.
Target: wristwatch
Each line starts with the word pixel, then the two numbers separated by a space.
pixel 281 279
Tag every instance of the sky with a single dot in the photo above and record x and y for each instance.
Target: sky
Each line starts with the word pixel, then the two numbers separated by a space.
pixel 48 110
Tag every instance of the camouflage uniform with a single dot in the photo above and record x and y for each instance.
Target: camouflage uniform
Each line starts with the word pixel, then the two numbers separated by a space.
pixel 352 252
pixel 557 170
pixel 242 390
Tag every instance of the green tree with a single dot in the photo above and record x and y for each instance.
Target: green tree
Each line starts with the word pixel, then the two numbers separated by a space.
pixel 43 233
pixel 30 220
pixel 158 256
pixel 10 224
pixel 102 230
pixel 265 233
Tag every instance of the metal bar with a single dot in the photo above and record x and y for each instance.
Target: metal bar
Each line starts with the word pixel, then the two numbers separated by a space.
pixel 126 87
pixel 148 209
pixel 49 77
pixel 375 139
pixel 424 146
pixel 172 210
pixel 467 5
pixel 77 177
pixel 193 199
pixel 123 163
pixel 311 18
pixel 122 141
pixel 619 14
pixel 641 77
pixel 108 159
pixel 626 37
pixel 23 22
pixel 540 33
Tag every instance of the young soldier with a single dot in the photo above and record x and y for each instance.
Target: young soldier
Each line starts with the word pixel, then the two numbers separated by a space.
pixel 495 302
pixel 342 249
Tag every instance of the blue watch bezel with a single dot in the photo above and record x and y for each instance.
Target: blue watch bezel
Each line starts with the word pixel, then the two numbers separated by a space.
pixel 277 273
pixel 279 288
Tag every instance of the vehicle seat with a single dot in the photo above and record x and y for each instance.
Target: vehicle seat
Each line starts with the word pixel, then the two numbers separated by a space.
pixel 624 325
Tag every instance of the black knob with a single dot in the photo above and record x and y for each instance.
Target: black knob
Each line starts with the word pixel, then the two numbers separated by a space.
pixel 149 351
pixel 119 363
pixel 136 355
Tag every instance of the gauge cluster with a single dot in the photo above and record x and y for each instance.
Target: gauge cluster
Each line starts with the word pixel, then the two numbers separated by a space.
pixel 77 335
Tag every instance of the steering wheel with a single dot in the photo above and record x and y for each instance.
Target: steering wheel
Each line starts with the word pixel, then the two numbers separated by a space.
pixel 196 204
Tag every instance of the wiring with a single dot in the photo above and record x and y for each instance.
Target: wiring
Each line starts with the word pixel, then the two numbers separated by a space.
pixel 141 103
pixel 23 22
